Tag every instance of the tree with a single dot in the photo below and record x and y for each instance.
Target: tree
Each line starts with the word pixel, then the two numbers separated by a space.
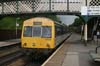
pixel 10 22
pixel 77 22
pixel 76 25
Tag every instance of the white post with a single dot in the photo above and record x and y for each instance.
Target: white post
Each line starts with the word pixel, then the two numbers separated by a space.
pixel 17 26
pixel 81 32
pixel 85 32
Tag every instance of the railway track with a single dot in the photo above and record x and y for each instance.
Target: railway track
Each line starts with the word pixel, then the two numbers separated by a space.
pixel 8 58
pixel 17 58
pixel 9 53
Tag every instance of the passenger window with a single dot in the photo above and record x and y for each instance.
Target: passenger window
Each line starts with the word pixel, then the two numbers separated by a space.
pixel 27 31
pixel 58 30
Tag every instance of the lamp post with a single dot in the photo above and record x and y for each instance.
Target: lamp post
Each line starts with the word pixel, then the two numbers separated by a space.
pixel 17 26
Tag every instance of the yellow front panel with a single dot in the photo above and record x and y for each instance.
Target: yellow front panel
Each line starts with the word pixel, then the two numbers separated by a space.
pixel 39 42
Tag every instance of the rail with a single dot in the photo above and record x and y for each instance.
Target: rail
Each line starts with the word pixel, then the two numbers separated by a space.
pixel 10 57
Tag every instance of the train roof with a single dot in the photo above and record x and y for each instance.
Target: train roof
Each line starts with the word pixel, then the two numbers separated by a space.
pixel 45 19
pixel 38 18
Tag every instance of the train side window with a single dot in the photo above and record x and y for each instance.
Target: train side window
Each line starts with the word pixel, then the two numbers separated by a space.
pixel 46 31
pixel 27 31
pixel 58 30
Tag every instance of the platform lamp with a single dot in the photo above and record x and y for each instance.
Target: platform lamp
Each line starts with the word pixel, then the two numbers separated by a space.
pixel 17 25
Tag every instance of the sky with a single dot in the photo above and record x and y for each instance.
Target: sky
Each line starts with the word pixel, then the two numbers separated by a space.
pixel 67 19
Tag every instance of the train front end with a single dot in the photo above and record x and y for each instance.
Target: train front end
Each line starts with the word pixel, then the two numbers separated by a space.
pixel 38 33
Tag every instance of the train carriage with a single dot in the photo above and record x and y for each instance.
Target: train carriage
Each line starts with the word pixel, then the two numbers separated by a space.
pixel 42 33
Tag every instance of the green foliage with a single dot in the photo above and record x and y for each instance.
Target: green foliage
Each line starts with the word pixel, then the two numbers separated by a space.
pixel 10 22
pixel 6 22
pixel 76 26
pixel 77 22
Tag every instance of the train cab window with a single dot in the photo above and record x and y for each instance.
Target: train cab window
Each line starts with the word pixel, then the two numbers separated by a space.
pixel 37 31
pixel 27 31
pixel 46 31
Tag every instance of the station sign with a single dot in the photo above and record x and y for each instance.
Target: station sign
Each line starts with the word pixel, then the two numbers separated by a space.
pixel 90 10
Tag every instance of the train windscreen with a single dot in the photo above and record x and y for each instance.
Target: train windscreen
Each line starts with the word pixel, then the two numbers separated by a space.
pixel 46 31
pixel 27 31
pixel 37 31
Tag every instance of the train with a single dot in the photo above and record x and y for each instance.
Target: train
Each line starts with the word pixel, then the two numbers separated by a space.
pixel 42 34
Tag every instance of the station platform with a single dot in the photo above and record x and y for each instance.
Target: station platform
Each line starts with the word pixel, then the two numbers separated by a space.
pixel 9 42
pixel 72 53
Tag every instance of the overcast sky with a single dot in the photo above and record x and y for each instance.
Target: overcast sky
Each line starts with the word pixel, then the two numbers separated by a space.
pixel 67 19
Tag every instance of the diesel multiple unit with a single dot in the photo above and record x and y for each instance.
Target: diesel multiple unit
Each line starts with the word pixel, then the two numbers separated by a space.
pixel 42 33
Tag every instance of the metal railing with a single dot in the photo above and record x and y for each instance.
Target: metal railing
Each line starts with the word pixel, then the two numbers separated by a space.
pixel 36 6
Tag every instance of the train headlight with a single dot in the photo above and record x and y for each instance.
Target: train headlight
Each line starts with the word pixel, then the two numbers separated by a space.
pixel 25 44
pixel 48 45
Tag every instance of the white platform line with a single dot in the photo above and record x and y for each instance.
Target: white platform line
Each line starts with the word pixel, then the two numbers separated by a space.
pixel 52 55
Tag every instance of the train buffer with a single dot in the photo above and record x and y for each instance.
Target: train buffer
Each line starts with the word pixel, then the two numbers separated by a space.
pixel 9 42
